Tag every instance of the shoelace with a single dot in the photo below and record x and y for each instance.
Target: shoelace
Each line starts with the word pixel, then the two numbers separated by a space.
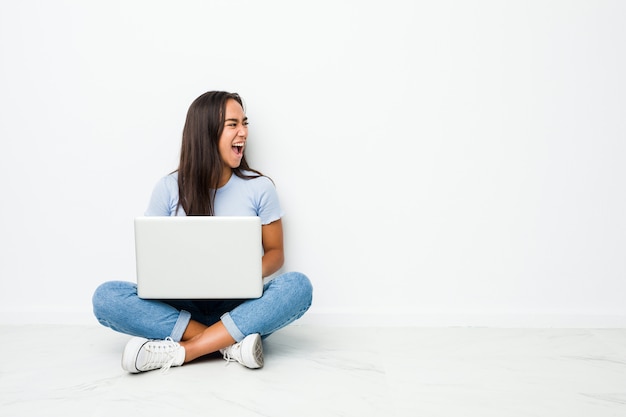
pixel 161 354
pixel 227 355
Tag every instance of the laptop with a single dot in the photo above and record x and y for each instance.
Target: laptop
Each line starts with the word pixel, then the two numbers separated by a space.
pixel 198 257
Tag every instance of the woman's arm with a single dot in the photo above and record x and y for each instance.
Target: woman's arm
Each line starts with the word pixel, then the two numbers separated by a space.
pixel 274 256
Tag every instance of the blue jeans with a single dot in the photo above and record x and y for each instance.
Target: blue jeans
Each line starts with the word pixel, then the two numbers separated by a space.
pixel 285 299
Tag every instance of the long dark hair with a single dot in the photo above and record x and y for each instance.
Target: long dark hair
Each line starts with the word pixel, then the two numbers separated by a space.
pixel 200 166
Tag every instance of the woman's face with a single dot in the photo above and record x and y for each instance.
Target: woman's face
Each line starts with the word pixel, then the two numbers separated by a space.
pixel 233 139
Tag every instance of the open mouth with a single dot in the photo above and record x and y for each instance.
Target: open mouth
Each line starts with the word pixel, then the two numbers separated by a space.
pixel 238 148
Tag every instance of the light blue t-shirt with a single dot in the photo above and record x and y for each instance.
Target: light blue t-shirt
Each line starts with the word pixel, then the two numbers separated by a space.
pixel 239 197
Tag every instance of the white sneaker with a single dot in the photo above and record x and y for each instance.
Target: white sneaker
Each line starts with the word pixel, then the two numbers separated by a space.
pixel 142 355
pixel 248 352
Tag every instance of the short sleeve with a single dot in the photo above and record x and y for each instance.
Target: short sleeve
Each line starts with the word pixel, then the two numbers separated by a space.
pixel 269 209
pixel 164 199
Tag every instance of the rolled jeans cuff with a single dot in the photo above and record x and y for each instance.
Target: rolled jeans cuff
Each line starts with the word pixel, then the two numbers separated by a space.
pixel 231 327
pixel 181 325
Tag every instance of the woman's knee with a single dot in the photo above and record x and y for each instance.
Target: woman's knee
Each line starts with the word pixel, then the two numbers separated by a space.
pixel 300 287
pixel 107 296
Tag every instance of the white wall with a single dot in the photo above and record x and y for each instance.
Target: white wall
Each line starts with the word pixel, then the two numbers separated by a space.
pixel 441 163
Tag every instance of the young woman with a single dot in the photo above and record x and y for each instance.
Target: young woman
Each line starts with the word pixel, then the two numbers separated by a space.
pixel 213 179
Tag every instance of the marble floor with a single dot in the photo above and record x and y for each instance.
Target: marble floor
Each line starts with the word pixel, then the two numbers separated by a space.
pixel 325 371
